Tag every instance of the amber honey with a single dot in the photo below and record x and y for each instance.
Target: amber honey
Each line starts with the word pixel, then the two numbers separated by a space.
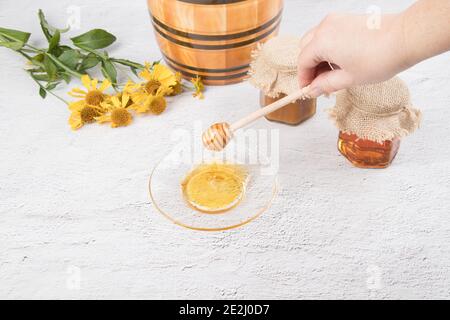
pixel 366 153
pixel 293 113
pixel 214 188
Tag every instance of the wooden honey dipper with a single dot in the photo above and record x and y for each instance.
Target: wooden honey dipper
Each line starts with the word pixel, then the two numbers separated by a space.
pixel 216 137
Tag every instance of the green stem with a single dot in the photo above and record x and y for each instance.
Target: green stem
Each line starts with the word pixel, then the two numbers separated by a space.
pixel 28 50
pixel 56 61
pixel 31 59
pixel 73 72
pixel 24 54
pixel 128 63
pixel 187 87
pixel 95 52
pixel 63 66
pixel 34 48
pixel 48 91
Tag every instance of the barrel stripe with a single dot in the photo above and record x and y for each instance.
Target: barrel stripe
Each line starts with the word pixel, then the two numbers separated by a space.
pixel 202 37
pixel 205 70
pixel 211 2
pixel 216 47
pixel 217 50
pixel 204 77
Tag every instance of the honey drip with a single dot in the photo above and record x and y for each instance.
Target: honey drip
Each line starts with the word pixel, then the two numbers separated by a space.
pixel 215 188
pixel 366 153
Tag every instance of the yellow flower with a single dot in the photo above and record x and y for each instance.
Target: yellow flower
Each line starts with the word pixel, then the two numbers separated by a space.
pixel 159 83
pixel 93 96
pixel 89 107
pixel 199 87
pixel 130 87
pixel 117 111
pixel 126 96
pixel 159 76
pixel 158 105
pixel 178 87
pixel 154 104
pixel 82 113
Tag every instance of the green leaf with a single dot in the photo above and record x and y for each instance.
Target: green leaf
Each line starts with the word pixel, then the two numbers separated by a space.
pixel 47 29
pixel 63 66
pixel 15 35
pixel 44 25
pixel 37 60
pixel 41 76
pixel 66 77
pixel 42 92
pixel 70 58
pixel 90 61
pixel 65 48
pixel 11 45
pixel 59 50
pixel 50 68
pixel 94 39
pixel 51 86
pixel 109 71
pixel 54 41
pixel 13 39
pixel 135 71
pixel 96 53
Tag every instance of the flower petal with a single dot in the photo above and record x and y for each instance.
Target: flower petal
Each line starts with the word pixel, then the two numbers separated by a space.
pixel 103 118
pixel 146 74
pixel 77 105
pixel 164 91
pixel 125 99
pixel 75 95
pixel 105 85
pixel 86 81
pixel 130 86
pixel 116 102
pixel 139 108
pixel 94 84
pixel 75 121
pixel 78 90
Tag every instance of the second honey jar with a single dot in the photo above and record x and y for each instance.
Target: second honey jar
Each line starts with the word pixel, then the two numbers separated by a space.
pixel 371 120
pixel 274 73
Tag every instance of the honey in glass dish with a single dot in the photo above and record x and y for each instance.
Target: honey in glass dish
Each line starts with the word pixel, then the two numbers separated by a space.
pixel 215 187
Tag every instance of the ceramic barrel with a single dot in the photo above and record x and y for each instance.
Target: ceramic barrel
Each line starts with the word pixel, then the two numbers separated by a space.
pixel 213 39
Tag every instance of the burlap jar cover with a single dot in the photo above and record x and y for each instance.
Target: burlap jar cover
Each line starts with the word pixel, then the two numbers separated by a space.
pixel 274 66
pixel 376 112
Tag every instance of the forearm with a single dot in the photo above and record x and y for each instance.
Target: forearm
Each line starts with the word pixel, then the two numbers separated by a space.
pixel 426 30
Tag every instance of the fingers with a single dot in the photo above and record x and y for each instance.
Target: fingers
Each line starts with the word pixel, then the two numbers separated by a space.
pixel 308 60
pixel 329 82
pixel 306 75
pixel 307 37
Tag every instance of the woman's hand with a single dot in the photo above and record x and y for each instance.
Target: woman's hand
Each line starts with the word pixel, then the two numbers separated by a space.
pixel 367 49
pixel 345 50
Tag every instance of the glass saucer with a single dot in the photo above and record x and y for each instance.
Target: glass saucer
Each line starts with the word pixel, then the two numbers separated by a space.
pixel 167 196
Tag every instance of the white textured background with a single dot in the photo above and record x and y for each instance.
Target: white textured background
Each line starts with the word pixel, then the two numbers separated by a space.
pixel 77 202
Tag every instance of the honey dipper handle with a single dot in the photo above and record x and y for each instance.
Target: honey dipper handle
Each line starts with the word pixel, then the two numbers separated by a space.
pixel 268 109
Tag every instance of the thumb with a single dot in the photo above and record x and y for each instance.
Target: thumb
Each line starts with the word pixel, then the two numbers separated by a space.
pixel 329 82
